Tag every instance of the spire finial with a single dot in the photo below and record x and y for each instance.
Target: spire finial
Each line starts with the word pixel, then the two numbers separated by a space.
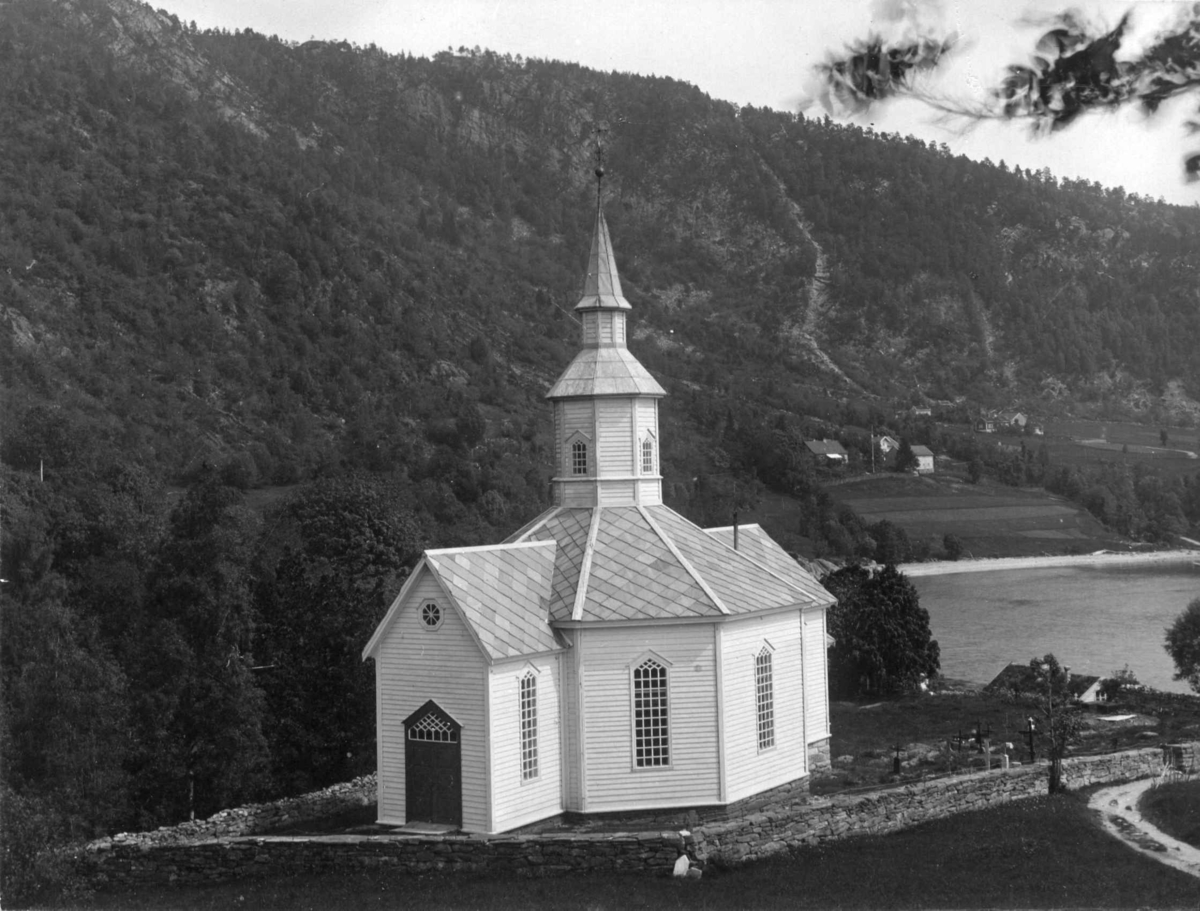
pixel 598 132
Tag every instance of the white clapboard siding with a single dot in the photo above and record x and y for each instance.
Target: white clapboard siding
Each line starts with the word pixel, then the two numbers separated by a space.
pixel 616 448
pixel 559 458
pixel 650 492
pixel 579 494
pixel 816 683
pixel 647 418
pixel 569 720
pixel 578 416
pixel 591 323
pixel 617 493
pixel 747 769
pixel 611 780
pixel 517 801
pixel 416 664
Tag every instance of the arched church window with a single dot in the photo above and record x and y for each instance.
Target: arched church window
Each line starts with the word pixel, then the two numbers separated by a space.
pixel 651 728
pixel 648 455
pixel 529 726
pixel 764 694
pixel 579 457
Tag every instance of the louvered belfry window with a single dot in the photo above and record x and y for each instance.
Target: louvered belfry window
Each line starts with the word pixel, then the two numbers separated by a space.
pixel 764 692
pixel 650 717
pixel 579 458
pixel 529 724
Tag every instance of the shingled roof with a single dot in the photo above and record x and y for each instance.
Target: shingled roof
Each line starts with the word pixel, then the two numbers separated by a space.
pixel 605 371
pixel 649 562
pixel 502 591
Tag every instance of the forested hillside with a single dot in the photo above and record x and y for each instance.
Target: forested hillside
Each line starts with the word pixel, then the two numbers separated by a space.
pixel 230 264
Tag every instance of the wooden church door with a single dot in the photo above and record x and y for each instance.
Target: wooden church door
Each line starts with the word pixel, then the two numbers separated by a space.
pixel 432 767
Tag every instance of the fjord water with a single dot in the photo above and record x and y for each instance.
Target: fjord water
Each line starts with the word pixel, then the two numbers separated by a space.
pixel 1096 619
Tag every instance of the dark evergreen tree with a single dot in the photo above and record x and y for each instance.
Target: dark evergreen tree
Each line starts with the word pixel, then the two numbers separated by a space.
pixel 341 548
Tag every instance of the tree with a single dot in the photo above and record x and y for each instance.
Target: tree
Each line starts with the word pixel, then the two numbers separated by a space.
pixel 891 542
pixel 975 470
pixel 1075 71
pixel 198 711
pixel 1049 694
pixel 953 545
pixel 342 548
pixel 1183 645
pixel 905 458
pixel 883 643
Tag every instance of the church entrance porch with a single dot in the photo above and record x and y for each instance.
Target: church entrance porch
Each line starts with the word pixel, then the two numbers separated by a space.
pixel 433 767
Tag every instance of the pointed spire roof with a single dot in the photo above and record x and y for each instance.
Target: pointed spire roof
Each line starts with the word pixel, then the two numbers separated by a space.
pixel 602 286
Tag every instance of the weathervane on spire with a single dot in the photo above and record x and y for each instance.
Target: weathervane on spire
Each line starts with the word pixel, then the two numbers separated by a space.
pixel 598 132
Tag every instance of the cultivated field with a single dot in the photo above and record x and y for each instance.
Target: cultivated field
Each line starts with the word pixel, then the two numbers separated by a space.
pixel 990 520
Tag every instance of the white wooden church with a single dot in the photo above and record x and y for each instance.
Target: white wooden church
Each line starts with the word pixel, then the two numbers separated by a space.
pixel 610 655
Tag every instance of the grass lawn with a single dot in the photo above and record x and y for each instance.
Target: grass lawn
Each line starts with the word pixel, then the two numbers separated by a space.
pixel 1175 808
pixel 1041 853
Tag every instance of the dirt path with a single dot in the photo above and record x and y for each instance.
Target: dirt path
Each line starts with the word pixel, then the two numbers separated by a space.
pixel 805 330
pixel 945 567
pixel 1118 809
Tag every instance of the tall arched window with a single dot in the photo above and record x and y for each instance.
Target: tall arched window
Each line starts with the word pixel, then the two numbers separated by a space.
pixel 764 695
pixel 648 455
pixel 579 457
pixel 650 719
pixel 529 726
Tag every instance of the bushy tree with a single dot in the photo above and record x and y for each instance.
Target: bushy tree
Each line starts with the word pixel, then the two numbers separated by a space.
pixel 1049 694
pixel 953 545
pixel 342 548
pixel 1183 645
pixel 883 643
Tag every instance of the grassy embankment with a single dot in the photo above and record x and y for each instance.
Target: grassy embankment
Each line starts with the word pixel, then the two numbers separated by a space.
pixel 1175 808
pixel 1040 853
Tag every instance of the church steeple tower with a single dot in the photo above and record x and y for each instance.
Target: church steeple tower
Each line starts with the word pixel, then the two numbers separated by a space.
pixel 605 403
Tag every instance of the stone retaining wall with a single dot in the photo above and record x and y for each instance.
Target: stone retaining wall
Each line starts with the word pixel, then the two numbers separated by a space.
pixel 777 827
pixel 256 818
pixel 215 851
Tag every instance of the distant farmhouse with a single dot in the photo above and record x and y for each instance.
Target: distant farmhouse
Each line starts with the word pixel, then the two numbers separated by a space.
pixel 610 656
pixel 887 445
pixel 924 459
pixel 1006 422
pixel 827 452
pixel 1012 419
pixel 1020 679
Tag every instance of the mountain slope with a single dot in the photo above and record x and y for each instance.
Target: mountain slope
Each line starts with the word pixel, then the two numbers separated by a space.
pixel 221 243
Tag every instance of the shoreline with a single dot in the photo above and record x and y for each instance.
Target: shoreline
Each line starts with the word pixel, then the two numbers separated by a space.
pixel 987 564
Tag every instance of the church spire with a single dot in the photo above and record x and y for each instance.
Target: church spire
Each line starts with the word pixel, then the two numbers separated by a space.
pixel 605 402
pixel 602 284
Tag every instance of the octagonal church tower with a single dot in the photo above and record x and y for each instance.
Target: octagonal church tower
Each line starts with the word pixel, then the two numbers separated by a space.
pixel 610 656
pixel 605 402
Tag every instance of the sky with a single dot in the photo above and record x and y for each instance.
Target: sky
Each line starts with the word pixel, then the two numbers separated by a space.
pixel 763 52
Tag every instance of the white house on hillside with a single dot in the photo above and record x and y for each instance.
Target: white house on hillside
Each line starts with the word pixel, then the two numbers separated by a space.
pixel 610 655
pixel 924 457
